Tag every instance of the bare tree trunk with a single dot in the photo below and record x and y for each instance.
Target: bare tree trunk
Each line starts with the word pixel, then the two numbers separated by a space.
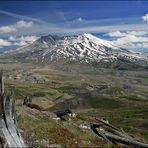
pixel 9 133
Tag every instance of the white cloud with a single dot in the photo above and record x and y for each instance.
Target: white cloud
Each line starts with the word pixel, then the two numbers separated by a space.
pixel 145 18
pixel 12 38
pixel 4 43
pixel 138 46
pixel 122 34
pixel 7 29
pixel 131 41
pixel 20 43
pixel 80 19
pixel 81 26
pixel 17 41
pixel 116 34
pixel 29 39
pixel 131 38
pixel 23 24
pixel 15 27
pixel 138 33
pixel 23 40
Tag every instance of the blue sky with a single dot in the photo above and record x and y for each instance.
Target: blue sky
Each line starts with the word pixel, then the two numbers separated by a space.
pixel 122 22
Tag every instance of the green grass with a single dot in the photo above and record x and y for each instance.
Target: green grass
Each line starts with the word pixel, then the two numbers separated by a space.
pixel 39 94
pixel 72 89
pixel 145 134
pixel 41 126
pixel 44 128
pixel 134 121
pixel 125 108
pixel 21 92
pixel 105 102
pixel 134 98
pixel 35 91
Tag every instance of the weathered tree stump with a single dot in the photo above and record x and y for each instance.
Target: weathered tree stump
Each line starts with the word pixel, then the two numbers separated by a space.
pixel 9 134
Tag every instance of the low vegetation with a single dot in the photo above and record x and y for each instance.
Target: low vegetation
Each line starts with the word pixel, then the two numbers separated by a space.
pixel 119 95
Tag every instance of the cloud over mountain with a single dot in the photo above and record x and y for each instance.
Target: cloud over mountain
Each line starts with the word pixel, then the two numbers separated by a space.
pixel 145 18
pixel 17 41
pixel 121 33
pixel 15 27
pixel 23 40
pixel 4 43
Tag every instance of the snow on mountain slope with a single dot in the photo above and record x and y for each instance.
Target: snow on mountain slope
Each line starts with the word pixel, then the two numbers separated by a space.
pixel 81 48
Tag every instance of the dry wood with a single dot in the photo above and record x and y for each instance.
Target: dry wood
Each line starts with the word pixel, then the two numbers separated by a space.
pixel 9 134
pixel 121 138
pixel 119 131
pixel 108 124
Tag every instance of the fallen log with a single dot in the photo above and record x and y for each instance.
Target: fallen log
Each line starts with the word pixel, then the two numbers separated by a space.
pixel 9 134
pixel 126 141
pixel 119 131
pixel 121 138
pixel 108 124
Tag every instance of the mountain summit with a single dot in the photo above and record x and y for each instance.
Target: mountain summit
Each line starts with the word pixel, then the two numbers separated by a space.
pixel 84 48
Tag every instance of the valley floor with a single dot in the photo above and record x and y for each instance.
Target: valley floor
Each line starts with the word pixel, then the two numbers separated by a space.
pixel 120 96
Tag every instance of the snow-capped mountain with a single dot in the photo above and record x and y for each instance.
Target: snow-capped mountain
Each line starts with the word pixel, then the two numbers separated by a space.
pixel 81 48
